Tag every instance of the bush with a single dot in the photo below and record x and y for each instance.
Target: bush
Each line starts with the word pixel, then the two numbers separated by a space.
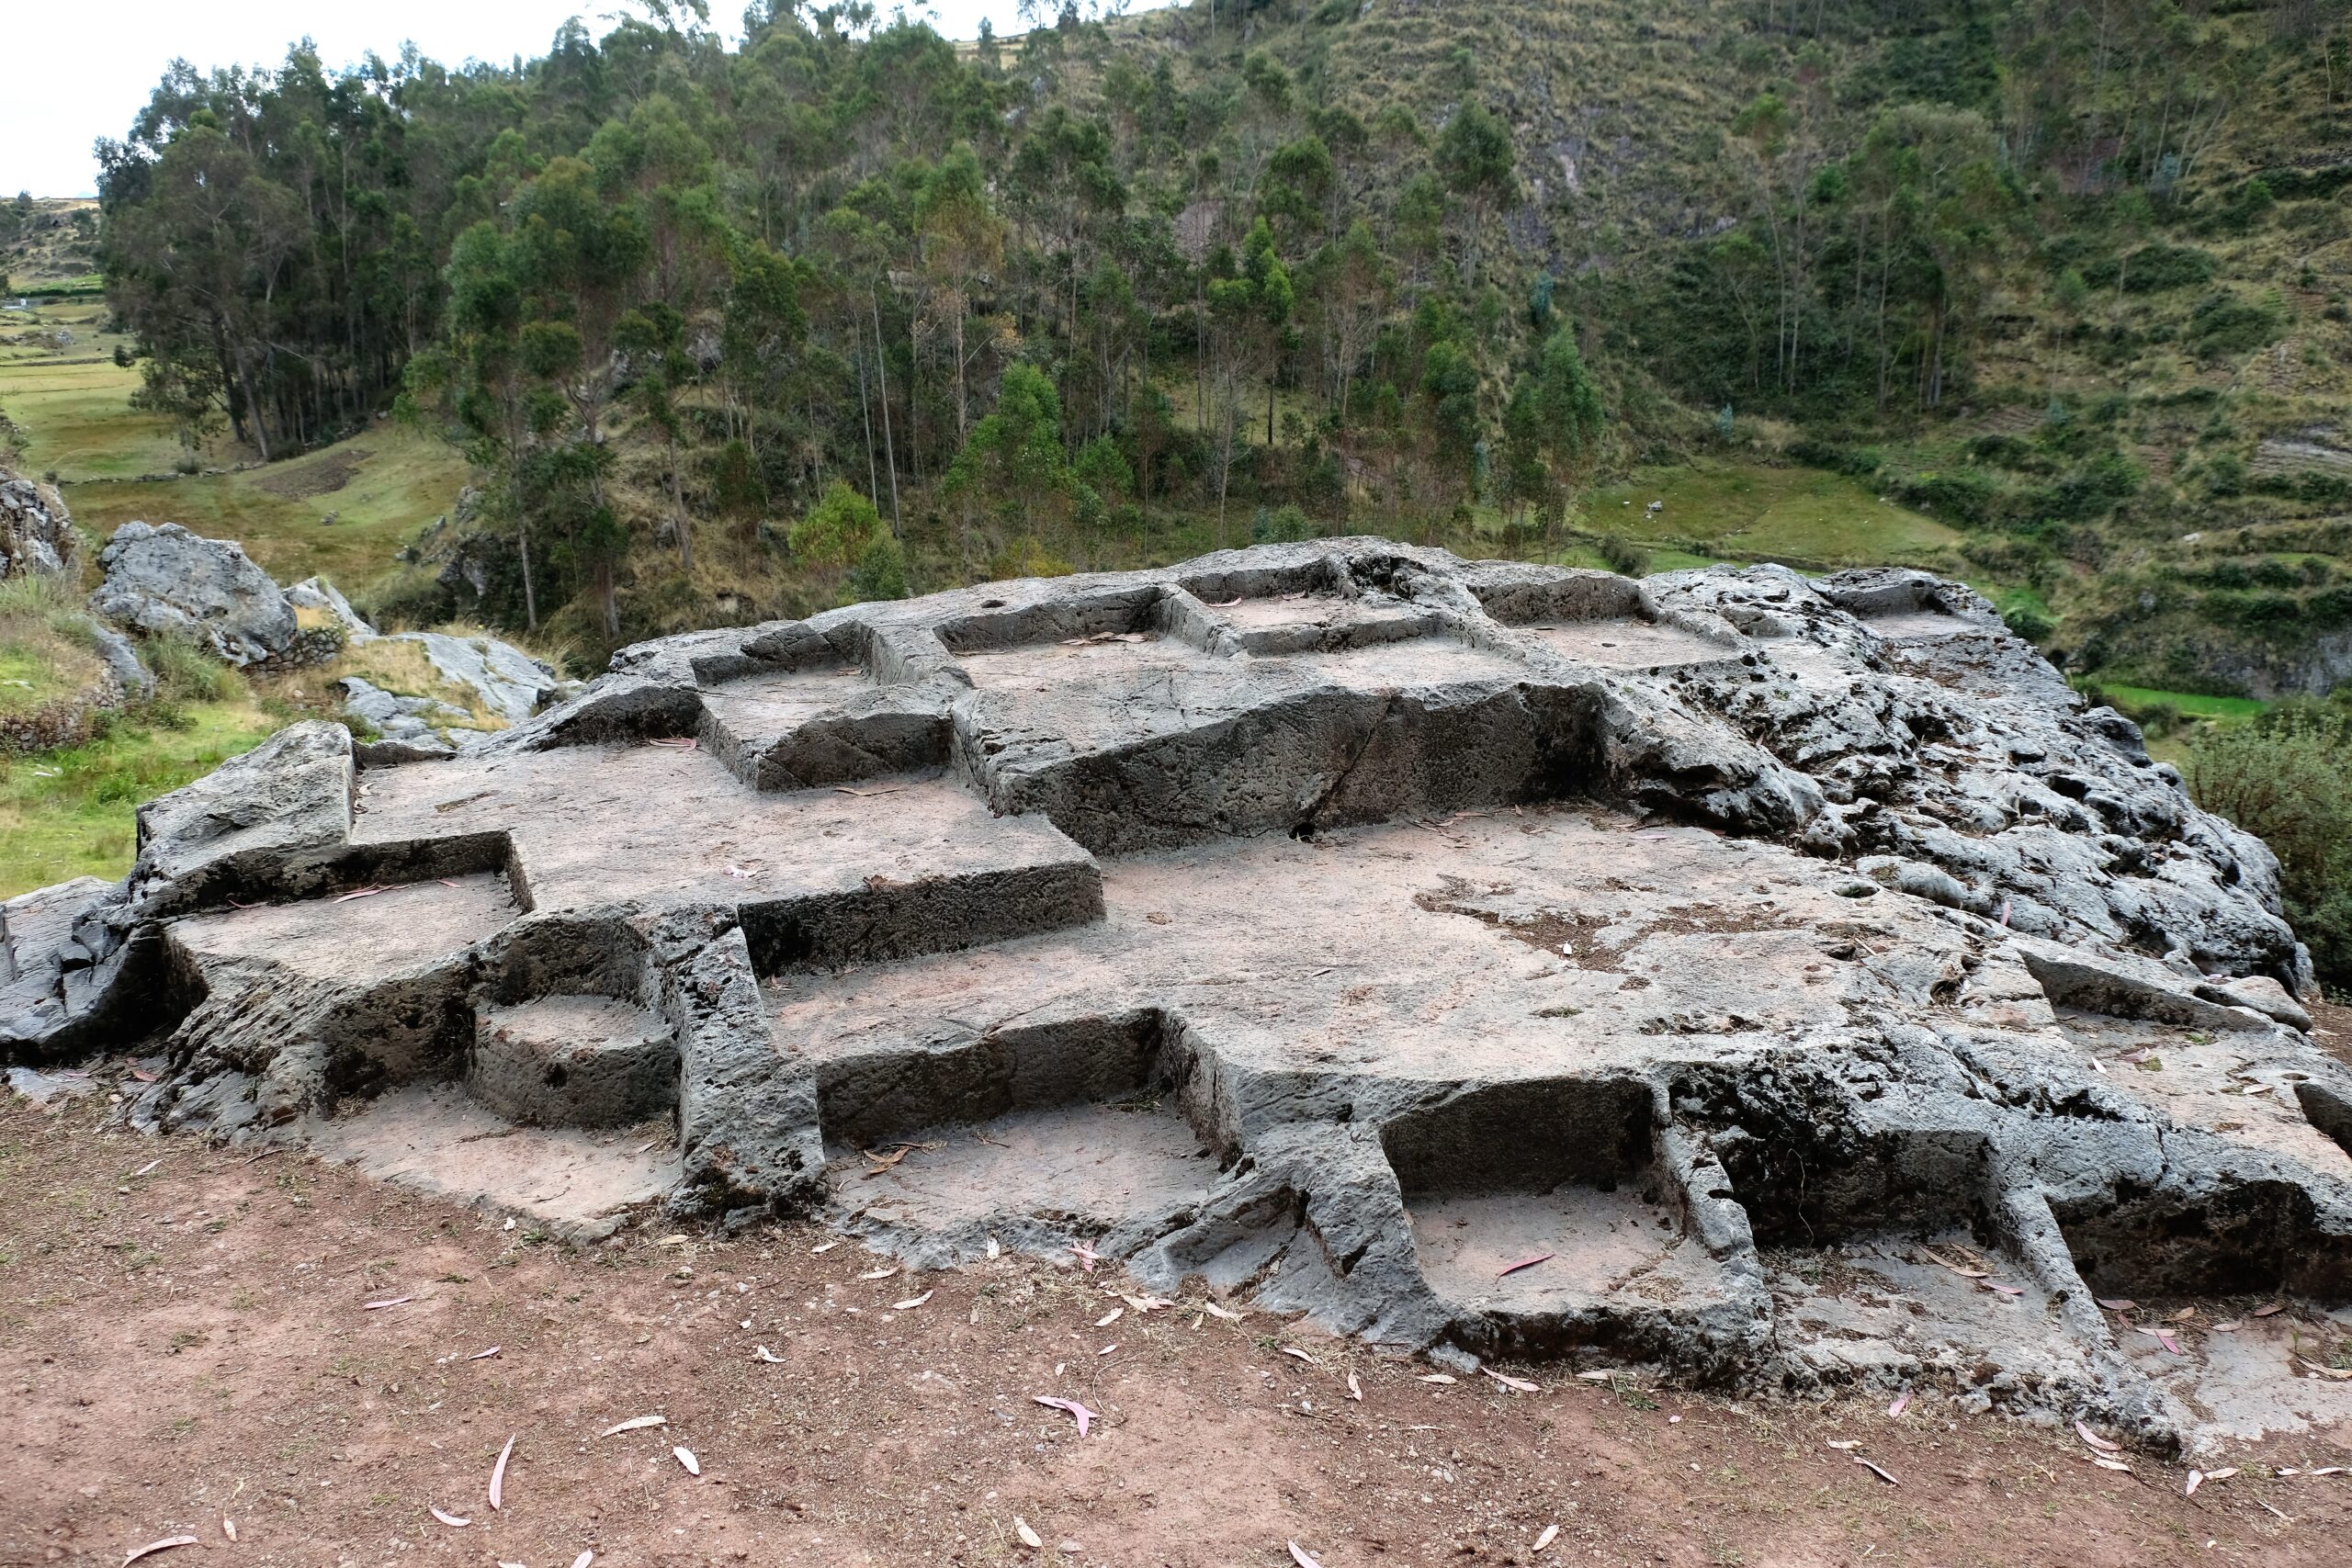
pixel 1964 498
pixel 1624 557
pixel 2223 323
pixel 2286 778
pixel 1283 526
pixel 1855 462
pixel 2029 620
pixel 2155 268
pixel 838 530
pixel 881 570
pixel 185 673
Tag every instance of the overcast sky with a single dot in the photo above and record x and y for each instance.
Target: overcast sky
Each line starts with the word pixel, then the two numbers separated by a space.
pixel 81 71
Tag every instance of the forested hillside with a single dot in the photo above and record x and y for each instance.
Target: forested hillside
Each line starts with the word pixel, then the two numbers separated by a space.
pixel 734 329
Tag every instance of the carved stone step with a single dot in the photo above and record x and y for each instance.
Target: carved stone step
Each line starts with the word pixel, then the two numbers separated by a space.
pixel 574 1062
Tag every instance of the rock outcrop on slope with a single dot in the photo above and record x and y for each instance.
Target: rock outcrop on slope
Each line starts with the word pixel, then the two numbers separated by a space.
pixel 1775 981
pixel 36 531
pixel 165 582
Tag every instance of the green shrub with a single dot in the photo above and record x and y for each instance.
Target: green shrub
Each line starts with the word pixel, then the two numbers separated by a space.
pixel 1966 498
pixel 2286 778
pixel 2223 323
pixel 1283 526
pixel 1856 462
pixel 2153 268
pixel 1624 557
pixel 881 570
pixel 838 530
pixel 185 673
pixel 2029 620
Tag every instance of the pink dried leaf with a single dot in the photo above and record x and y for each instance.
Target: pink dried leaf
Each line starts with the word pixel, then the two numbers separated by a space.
pixel 1995 1285
pixel 497 1475
pixel 1519 1385
pixel 447 1518
pixel 2118 1304
pixel 1298 1555
pixel 153 1547
pixel 2271 1310
pixel 1078 1412
pixel 1902 1402
pixel 1511 1269
pixel 1551 1533
pixel 634 1424
pixel 485 1355
pixel 2083 1430
pixel 1878 1471
pixel 584 1559
pixel 1355 1389
pixel 392 1302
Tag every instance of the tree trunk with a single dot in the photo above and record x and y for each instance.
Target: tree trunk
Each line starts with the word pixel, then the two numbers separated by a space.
pixel 685 523
pixel 882 370
pixel 865 407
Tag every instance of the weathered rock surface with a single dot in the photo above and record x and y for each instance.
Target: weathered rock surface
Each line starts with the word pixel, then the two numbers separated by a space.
pixel 317 594
pixel 505 681
pixel 507 685
pixel 167 581
pixel 116 651
pixel 36 531
pixel 1797 970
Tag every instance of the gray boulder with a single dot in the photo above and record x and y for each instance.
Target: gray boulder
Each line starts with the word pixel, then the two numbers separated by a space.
pixel 122 659
pixel 165 582
pixel 37 948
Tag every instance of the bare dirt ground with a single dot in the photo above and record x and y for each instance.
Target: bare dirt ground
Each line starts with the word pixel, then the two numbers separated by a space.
pixel 188 1337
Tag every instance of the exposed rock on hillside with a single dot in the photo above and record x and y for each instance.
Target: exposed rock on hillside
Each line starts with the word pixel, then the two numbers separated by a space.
pixel 167 581
pixel 1780 982
pixel 36 531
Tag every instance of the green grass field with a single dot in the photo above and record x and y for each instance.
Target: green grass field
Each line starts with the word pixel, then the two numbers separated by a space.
pixel 1801 515
pixel 73 812
pixel 2130 699
pixel 77 420
pixel 73 409
pixel 381 488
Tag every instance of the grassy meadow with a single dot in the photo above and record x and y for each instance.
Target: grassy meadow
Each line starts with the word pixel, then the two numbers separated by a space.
pixel 73 812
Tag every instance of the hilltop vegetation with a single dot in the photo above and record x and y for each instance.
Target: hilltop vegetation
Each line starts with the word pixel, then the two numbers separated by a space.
pixel 2055 288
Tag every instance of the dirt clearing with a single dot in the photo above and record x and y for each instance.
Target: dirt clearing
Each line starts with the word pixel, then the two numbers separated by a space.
pixel 190 1335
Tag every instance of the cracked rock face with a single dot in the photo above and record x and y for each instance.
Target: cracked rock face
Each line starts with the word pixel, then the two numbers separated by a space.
pixel 165 582
pixel 36 531
pixel 1777 982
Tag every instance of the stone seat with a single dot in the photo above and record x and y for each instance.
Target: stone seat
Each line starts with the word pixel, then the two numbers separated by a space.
pixel 574 1062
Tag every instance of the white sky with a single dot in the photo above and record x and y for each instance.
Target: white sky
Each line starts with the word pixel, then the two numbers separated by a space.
pixel 82 72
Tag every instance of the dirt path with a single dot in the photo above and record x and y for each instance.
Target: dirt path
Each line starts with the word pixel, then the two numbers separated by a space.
pixel 186 1336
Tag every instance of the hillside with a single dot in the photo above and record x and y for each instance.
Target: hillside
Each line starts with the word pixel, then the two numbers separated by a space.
pixel 2068 282
pixel 46 243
